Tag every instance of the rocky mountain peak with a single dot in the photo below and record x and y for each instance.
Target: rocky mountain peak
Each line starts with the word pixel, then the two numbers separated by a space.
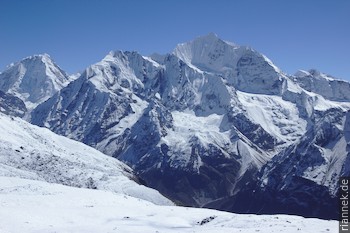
pixel 33 79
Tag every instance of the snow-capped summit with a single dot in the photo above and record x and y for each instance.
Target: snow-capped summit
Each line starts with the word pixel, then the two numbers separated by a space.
pixel 242 66
pixel 208 53
pixel 33 79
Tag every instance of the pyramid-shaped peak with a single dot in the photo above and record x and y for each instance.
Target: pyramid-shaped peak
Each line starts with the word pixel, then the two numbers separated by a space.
pixel 39 62
pixel 211 37
pixel 120 55
pixel 206 40
pixel 33 79
pixel 208 52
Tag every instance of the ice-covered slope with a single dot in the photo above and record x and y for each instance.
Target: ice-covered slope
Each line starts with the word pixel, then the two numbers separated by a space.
pixel 32 152
pixel 35 206
pixel 33 80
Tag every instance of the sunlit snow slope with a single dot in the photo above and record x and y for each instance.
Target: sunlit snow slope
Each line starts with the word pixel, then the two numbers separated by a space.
pixel 32 152
pixel 38 207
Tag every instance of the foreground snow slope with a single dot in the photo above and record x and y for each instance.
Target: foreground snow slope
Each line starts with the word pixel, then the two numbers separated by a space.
pixel 36 206
pixel 31 152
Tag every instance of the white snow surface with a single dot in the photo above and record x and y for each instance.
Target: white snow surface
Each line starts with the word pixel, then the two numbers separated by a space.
pixel 208 53
pixel 39 207
pixel 187 126
pixel 278 117
pixel 34 79
pixel 122 70
pixel 31 152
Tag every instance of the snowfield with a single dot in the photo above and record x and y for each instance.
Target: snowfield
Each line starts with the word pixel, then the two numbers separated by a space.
pixel 278 117
pixel 31 152
pixel 186 126
pixel 39 207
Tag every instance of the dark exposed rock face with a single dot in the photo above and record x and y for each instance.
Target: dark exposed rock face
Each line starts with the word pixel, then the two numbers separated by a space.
pixel 11 105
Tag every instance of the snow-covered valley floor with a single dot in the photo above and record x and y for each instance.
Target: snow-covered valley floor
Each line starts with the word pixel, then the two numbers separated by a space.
pixel 35 206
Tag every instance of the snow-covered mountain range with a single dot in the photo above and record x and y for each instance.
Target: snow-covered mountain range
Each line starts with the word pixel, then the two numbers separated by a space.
pixel 210 124
pixel 99 193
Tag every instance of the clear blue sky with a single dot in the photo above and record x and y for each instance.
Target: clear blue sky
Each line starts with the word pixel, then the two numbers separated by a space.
pixel 298 34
